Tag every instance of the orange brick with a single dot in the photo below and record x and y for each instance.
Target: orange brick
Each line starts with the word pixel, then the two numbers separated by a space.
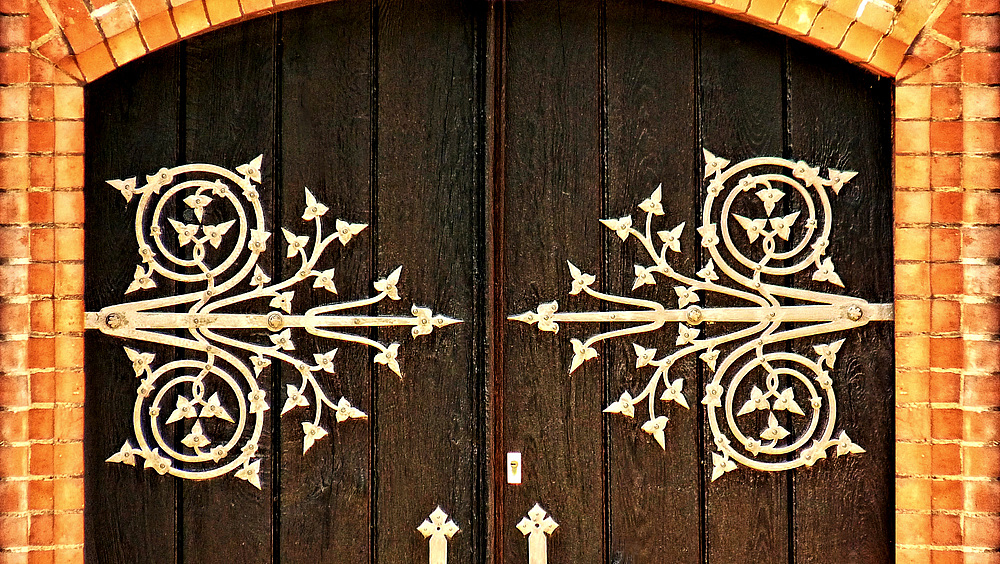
pixel 946 207
pixel 912 280
pixel 83 35
pixel 68 102
pixel 912 137
pixel 42 244
pixel 68 171
pixel 889 55
pixel 912 207
pixel 69 279
pixel 41 136
pixel 14 136
pixel 69 528
pixel 912 171
pixel 981 31
pixel 254 6
pixel 912 316
pixel 95 62
pixel 981 319
pixel 947 70
pixel 69 137
pixel 13 530
pixel 946 102
pixel 981 173
pixel 69 459
pixel 14 207
pixel 860 42
pixel 913 101
pixel 68 493
pixel 13 496
pixel 223 11
pixel 946 495
pixel 981 68
pixel 14 242
pixel 913 493
pixel 190 18
pixel 15 318
pixel 946 530
pixel 766 10
pixel 40 464
pixel 797 17
pixel 981 391
pixel 115 20
pixel 68 351
pixel 981 242
pixel 68 207
pixel 72 71
pixel 981 461
pixel 911 386
pixel 158 30
pixel 126 46
pixel 69 386
pixel 946 352
pixel 42 316
pixel 982 356
pixel 43 387
pixel 912 352
pixel 149 8
pixel 913 528
pixel 41 276
pixel 981 101
pixel 912 243
pixel 982 496
pixel 982 136
pixel 946 316
pixel 982 531
pixel 15 102
pixel 946 136
pixel 69 315
pixel 946 171
pixel 42 171
pixel 14 462
pixel 14 173
pixel 982 426
pixel 69 243
pixel 13 68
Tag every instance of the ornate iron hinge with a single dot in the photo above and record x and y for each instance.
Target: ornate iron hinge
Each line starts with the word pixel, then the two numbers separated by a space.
pixel 221 261
pixel 781 373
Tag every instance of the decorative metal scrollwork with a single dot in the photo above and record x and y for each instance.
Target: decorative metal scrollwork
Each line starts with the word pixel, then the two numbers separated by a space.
pixel 220 236
pixel 773 381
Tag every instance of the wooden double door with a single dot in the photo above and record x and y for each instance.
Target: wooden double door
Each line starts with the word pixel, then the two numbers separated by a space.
pixel 482 143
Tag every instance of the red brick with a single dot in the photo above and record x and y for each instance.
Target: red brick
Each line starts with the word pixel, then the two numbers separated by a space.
pixel 41 279
pixel 981 242
pixel 42 171
pixel 40 464
pixel 913 528
pixel 13 426
pixel 946 530
pixel 980 173
pixel 13 530
pixel 946 207
pixel 946 495
pixel 14 462
pixel 945 316
pixel 982 496
pixel 913 172
pixel 946 171
pixel 13 496
pixel 981 461
pixel 14 136
pixel 42 244
pixel 947 70
pixel 41 136
pixel 946 424
pixel 945 387
pixel 913 493
pixel 981 318
pixel 982 426
pixel 40 530
pixel 13 68
pixel 946 102
pixel 41 352
pixel 83 35
pixel 981 6
pixel 946 244
pixel 13 388
pixel 43 387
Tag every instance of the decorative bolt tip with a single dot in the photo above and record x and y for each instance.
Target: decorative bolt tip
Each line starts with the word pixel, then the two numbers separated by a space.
pixel 275 321
pixel 115 320
pixel 854 313
pixel 695 315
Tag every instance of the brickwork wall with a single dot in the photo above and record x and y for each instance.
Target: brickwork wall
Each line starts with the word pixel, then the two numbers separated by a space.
pixel 946 60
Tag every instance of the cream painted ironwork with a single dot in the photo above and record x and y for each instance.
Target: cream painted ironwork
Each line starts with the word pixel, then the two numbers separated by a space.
pixel 220 261
pixel 765 181
pixel 438 528
pixel 537 527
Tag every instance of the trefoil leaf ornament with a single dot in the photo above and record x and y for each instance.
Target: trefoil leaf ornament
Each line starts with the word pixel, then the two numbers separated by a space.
pixel 768 408
pixel 214 396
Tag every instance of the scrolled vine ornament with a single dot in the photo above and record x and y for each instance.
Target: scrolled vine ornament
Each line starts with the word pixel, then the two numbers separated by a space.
pixel 213 249
pixel 752 375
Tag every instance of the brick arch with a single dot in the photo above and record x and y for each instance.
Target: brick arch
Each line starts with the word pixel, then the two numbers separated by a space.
pixel 876 34
pixel 945 57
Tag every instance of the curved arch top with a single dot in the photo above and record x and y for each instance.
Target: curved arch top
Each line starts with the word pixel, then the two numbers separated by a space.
pixel 876 34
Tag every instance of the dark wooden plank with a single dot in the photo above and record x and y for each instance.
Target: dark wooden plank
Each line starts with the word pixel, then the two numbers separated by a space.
pixel 229 119
pixel 427 163
pixel 552 206
pixel 131 130
pixel 839 117
pixel 325 498
pixel 652 139
pixel 741 116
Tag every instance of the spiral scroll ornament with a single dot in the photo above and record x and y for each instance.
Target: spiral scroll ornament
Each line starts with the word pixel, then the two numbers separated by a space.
pixel 752 376
pixel 202 228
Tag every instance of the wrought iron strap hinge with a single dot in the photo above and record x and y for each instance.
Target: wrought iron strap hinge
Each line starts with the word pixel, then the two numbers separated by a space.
pixel 220 260
pixel 779 245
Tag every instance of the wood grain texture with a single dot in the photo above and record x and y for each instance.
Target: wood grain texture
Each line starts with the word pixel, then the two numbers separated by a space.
pixel 552 207
pixel 378 107
pixel 649 142
pixel 325 499
pixel 740 116
pixel 130 513
pixel 830 108
pixel 229 118
pixel 428 146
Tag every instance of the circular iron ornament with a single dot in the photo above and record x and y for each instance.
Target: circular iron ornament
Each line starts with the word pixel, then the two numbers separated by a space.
pixel 747 379
pixel 214 244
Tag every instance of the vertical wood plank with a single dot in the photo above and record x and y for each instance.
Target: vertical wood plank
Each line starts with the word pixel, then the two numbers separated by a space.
pixel 326 137
pixel 427 174
pixel 741 116
pixel 839 117
pixel 131 130
pixel 651 139
pixel 229 119
pixel 552 205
